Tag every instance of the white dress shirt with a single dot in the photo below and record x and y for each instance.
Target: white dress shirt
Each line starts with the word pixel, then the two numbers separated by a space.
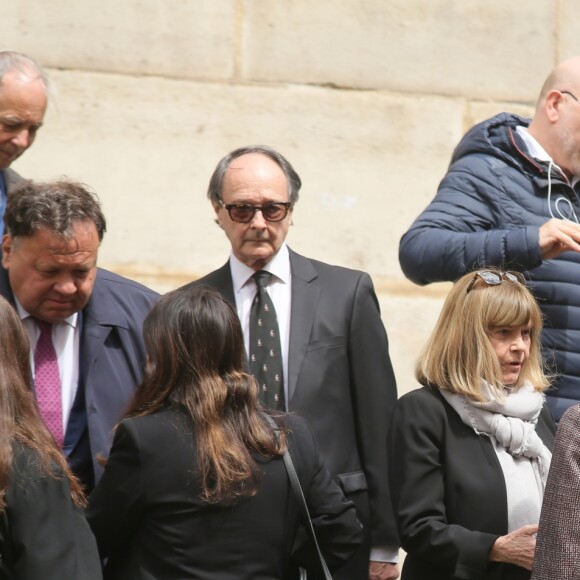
pixel 280 292
pixel 538 152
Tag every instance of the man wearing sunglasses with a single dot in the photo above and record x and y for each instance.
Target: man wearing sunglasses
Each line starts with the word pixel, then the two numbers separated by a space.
pixel 510 199
pixel 334 368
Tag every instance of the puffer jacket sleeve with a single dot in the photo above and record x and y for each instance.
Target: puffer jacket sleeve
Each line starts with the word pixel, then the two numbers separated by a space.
pixel 464 227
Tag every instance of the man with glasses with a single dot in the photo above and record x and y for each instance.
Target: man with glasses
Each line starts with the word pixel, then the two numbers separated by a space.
pixel 324 345
pixel 510 199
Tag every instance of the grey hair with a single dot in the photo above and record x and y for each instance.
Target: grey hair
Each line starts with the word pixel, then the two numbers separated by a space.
pixel 11 61
pixel 214 192
pixel 55 205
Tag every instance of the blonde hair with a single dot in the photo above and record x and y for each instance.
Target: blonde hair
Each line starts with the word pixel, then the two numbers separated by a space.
pixel 459 353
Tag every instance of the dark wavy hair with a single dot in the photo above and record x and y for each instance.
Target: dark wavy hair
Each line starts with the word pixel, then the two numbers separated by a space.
pixel 195 350
pixel 20 420
pixel 55 205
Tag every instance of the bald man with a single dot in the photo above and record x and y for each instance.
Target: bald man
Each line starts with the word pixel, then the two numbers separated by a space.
pixel 510 199
pixel 23 99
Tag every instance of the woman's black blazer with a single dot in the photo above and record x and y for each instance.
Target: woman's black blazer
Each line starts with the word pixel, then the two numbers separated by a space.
pixel 42 533
pixel 150 522
pixel 448 491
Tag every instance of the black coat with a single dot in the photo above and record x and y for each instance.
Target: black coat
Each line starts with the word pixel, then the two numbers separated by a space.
pixel 43 534
pixel 150 522
pixel 448 490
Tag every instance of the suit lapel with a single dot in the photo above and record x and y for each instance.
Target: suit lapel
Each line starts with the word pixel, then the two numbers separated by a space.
pixel 546 428
pixel 305 296
pixel 100 316
pixel 92 339
pixel 221 279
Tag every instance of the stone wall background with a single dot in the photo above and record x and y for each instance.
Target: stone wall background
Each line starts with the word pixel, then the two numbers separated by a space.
pixel 367 98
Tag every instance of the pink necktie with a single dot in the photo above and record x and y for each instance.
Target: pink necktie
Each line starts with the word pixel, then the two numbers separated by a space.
pixel 47 381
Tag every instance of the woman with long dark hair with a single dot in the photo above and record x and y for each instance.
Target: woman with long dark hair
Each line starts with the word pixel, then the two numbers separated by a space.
pixel 195 486
pixel 43 531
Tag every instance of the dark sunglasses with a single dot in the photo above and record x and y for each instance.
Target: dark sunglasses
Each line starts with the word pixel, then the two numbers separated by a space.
pixel 495 278
pixel 243 213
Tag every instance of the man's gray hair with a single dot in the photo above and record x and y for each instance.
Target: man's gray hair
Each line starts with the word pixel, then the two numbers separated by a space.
pixel 216 182
pixel 11 61
pixel 55 205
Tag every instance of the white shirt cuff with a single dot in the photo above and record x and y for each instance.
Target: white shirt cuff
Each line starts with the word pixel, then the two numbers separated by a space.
pixel 385 554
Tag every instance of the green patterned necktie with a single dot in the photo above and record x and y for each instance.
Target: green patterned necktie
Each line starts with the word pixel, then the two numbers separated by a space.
pixel 265 351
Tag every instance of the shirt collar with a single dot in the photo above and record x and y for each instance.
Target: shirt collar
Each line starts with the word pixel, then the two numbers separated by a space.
pixel 72 320
pixel 278 266
pixel 537 151
pixel 533 146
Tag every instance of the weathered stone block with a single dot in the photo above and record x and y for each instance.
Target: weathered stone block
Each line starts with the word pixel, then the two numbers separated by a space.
pixel 409 314
pixel 369 161
pixel 569 42
pixel 181 39
pixel 450 47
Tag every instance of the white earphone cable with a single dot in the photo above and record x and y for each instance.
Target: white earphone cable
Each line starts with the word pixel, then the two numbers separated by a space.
pixel 569 215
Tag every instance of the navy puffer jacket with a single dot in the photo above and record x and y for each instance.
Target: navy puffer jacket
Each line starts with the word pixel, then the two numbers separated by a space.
pixel 488 211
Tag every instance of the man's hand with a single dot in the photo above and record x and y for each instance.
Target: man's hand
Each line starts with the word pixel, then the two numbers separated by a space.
pixel 558 236
pixel 383 571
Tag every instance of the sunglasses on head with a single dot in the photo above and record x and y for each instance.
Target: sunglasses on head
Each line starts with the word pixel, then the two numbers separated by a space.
pixel 495 278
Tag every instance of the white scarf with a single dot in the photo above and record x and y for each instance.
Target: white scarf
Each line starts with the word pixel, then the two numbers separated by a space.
pixel 511 421
pixel 511 425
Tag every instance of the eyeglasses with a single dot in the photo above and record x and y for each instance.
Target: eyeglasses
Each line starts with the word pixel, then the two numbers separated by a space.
pixel 495 278
pixel 570 94
pixel 243 213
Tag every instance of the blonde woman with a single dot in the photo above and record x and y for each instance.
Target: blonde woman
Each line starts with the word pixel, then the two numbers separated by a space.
pixel 472 446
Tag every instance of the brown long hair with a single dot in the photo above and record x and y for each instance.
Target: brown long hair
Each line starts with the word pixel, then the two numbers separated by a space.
pixel 195 350
pixel 20 419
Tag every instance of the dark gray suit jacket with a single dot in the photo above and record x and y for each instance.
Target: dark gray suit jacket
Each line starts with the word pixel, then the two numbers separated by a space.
pixel 558 547
pixel 12 179
pixel 340 379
